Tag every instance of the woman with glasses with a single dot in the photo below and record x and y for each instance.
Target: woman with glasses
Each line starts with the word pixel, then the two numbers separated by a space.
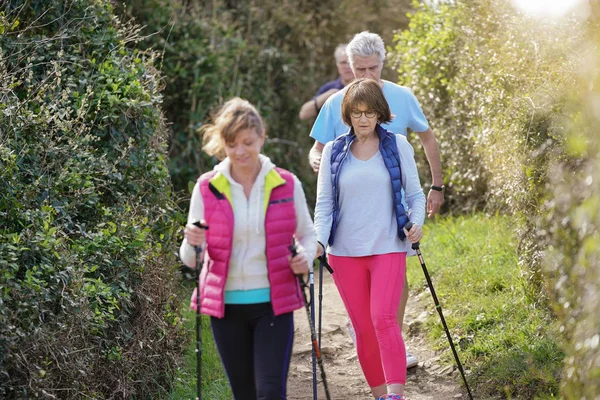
pixel 363 178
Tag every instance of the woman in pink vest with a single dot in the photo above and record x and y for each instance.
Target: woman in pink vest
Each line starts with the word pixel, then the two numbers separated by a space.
pixel 248 284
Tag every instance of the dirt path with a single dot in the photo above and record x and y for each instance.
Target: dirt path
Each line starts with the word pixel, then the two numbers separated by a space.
pixel 428 380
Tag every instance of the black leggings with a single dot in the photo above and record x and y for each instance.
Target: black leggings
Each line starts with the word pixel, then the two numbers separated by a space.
pixel 255 348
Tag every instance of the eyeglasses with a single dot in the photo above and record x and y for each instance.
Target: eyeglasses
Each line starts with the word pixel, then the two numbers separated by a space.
pixel 357 114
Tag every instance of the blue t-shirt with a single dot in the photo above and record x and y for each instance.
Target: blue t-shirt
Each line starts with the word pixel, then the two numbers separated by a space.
pixel 403 104
pixel 337 84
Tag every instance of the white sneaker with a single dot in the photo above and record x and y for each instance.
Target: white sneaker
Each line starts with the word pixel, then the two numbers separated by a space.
pixel 351 332
pixel 411 361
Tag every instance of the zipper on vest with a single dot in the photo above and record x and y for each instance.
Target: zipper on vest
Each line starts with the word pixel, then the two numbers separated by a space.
pixel 251 225
pixel 288 200
pixel 248 235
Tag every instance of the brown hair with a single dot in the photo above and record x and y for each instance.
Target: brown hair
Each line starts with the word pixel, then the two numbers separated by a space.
pixel 235 115
pixel 366 92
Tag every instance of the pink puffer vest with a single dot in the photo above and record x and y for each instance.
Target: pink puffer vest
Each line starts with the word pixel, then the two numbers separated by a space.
pixel 280 225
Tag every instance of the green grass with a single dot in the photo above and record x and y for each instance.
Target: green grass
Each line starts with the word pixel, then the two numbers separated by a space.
pixel 502 335
pixel 214 380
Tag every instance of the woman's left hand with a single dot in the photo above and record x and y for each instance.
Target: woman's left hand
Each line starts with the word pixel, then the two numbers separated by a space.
pixel 299 264
pixel 415 234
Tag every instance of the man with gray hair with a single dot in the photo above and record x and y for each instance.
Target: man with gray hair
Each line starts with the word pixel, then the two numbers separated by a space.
pixel 311 108
pixel 366 54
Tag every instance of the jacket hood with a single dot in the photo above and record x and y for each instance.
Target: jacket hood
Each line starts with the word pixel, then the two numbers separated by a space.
pixel 224 167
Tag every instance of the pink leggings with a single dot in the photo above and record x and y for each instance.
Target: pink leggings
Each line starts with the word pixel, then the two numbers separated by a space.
pixel 371 287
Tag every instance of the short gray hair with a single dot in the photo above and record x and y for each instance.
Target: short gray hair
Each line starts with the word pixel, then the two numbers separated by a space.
pixel 365 44
pixel 340 51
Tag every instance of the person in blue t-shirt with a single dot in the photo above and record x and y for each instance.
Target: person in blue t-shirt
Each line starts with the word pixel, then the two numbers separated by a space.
pixel 311 108
pixel 366 54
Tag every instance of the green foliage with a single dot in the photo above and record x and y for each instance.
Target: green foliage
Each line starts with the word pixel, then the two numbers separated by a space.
pixel 490 80
pixel 209 54
pixel 275 56
pixel 214 380
pixel 569 226
pixel 86 210
pixel 506 342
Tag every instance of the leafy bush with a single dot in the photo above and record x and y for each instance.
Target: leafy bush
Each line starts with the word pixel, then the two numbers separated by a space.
pixel 87 217
pixel 275 55
pixel 490 80
pixel 516 126
pixel 569 225
pixel 246 51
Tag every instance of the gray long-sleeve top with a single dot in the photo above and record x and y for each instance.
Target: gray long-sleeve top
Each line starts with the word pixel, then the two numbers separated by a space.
pixel 367 223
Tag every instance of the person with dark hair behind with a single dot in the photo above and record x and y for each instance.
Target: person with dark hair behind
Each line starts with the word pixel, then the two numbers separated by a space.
pixel 311 108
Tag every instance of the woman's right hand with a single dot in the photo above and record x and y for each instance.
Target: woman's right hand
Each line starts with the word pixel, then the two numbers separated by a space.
pixel 320 250
pixel 195 236
pixel 415 234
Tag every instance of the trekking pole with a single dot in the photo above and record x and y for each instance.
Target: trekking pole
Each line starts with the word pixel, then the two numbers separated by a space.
pixel 311 323
pixel 199 263
pixel 415 246
pixel 311 290
pixel 323 263
pixel 320 301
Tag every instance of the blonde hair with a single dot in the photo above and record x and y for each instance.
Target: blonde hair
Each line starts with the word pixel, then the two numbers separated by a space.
pixel 235 115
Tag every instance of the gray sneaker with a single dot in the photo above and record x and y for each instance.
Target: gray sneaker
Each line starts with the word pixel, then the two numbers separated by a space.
pixel 411 361
pixel 351 332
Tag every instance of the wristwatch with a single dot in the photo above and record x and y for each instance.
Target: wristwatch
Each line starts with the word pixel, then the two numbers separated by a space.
pixel 438 188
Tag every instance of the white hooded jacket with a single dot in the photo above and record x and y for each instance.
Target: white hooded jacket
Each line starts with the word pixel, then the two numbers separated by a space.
pixel 248 264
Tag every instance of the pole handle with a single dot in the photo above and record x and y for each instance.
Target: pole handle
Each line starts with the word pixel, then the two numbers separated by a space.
pixel 323 260
pixel 200 225
pixel 293 249
pixel 415 246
